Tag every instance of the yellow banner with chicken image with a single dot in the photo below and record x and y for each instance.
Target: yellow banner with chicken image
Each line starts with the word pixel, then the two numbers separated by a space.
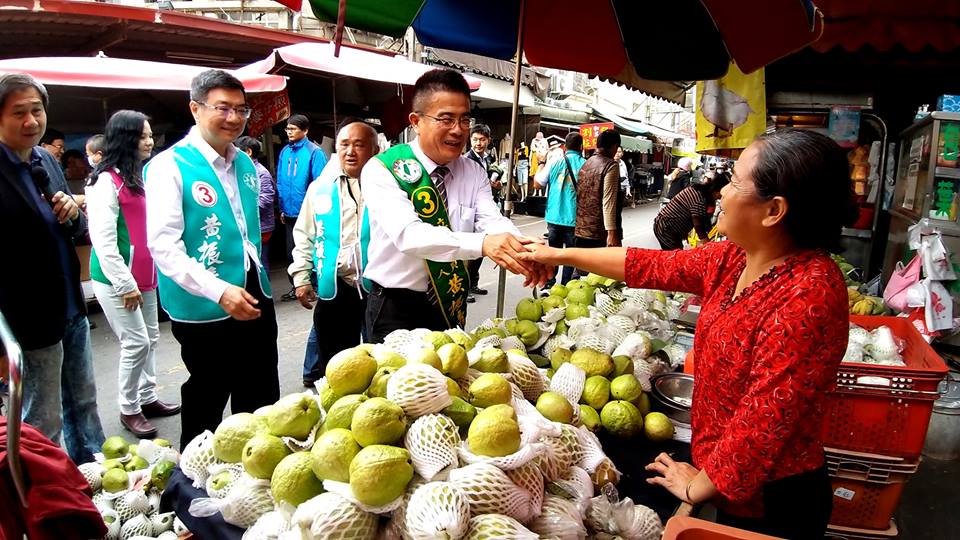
pixel 731 111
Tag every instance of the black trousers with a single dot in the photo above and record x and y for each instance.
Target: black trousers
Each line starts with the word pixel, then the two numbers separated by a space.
pixel 340 325
pixel 783 517
pixel 582 242
pixel 229 359
pixel 393 309
pixel 473 269
pixel 289 223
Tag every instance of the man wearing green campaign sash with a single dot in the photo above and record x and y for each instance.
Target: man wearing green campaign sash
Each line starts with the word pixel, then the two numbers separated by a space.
pixel 203 230
pixel 331 240
pixel 431 210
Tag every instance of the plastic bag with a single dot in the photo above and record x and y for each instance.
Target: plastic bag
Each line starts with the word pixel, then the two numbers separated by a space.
pixel 559 519
pixel 624 518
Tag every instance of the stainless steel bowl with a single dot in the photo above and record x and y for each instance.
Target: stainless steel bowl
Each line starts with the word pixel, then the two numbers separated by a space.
pixel 673 395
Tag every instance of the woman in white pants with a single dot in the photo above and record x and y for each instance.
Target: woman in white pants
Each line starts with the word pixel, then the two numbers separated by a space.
pixel 122 271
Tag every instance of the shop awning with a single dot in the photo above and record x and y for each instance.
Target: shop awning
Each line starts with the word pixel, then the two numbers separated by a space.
pixel 636 126
pixel 566 117
pixel 318 57
pixel 495 93
pixel 120 73
pixel 883 24
pixel 635 144
pixel 620 43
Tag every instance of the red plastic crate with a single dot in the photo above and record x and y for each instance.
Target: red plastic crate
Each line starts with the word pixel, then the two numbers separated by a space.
pixel 866 488
pixel 688 528
pixel 884 409
pixel 837 532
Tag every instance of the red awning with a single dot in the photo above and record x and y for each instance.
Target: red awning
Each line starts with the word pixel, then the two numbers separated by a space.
pixel 883 24
pixel 351 63
pixel 104 72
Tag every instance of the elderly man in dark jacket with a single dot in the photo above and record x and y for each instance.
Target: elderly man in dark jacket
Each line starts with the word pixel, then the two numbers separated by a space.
pixel 40 294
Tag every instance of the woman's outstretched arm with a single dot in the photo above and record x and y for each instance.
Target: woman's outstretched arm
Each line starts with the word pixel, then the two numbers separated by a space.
pixel 607 262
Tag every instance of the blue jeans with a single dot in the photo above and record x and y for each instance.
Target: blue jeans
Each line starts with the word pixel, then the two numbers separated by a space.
pixel 60 392
pixel 560 236
pixel 312 357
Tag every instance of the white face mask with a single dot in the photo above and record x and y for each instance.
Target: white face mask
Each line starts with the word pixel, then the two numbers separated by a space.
pixel 93 164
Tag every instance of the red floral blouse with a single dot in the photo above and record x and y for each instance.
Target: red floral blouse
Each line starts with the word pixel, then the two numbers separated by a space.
pixel 762 362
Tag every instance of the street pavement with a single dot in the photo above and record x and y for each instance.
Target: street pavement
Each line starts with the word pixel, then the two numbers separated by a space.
pixel 294 324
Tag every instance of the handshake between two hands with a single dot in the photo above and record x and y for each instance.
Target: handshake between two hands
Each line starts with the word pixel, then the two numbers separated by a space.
pixel 518 254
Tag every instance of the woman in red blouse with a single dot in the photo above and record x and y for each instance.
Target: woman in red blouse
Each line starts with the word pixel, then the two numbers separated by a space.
pixel 771 333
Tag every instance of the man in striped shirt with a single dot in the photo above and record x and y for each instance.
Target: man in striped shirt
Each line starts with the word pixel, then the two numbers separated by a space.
pixel 688 211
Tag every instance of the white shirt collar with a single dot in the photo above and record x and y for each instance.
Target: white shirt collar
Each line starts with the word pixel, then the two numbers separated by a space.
pixel 211 155
pixel 427 162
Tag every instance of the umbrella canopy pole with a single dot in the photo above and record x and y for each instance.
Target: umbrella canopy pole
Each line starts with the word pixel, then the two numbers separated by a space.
pixel 514 121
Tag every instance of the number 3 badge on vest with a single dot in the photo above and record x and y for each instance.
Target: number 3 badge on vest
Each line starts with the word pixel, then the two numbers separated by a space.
pixel 204 194
pixel 407 170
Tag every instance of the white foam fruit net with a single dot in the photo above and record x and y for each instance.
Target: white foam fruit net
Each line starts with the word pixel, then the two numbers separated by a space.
pixel 622 322
pixel 131 504
pixel 197 458
pixel 559 519
pixel 437 510
pixel 559 454
pixel 490 491
pixel 512 342
pixel 597 342
pixel 530 478
pixel 497 527
pixel 526 375
pixel 248 500
pixel 419 389
pixel 591 453
pixel 635 345
pixel 555 315
pixel 269 526
pixel 343 489
pixel 432 441
pixel 233 469
pixel 568 381
pixel 333 517
pixel 606 305
pixel 138 525
pixel 559 341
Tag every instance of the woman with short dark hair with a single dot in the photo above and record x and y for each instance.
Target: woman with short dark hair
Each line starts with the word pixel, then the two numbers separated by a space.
pixel 770 336
pixel 121 269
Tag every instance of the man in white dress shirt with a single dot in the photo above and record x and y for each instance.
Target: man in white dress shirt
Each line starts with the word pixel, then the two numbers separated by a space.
pixel 431 210
pixel 203 230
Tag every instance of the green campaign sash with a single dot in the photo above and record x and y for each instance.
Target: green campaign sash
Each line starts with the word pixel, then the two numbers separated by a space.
pixel 450 280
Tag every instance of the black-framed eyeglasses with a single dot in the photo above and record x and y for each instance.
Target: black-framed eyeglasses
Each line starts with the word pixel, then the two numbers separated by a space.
pixel 242 111
pixel 447 122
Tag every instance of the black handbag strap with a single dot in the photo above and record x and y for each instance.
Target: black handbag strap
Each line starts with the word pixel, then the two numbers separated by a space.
pixel 573 177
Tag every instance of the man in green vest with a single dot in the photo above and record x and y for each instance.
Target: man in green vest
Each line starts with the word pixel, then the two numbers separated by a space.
pixel 330 240
pixel 431 210
pixel 203 230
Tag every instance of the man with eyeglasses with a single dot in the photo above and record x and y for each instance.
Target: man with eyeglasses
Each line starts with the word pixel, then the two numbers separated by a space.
pixel 203 230
pixel 431 211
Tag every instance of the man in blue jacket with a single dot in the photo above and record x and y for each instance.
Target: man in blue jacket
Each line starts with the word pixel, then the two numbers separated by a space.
pixel 561 215
pixel 300 163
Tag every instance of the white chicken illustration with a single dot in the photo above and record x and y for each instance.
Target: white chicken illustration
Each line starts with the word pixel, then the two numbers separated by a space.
pixel 723 108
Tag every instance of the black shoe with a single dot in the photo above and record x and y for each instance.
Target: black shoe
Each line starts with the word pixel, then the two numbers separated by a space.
pixel 307 383
pixel 158 409
pixel 290 296
pixel 93 325
pixel 477 290
pixel 471 298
